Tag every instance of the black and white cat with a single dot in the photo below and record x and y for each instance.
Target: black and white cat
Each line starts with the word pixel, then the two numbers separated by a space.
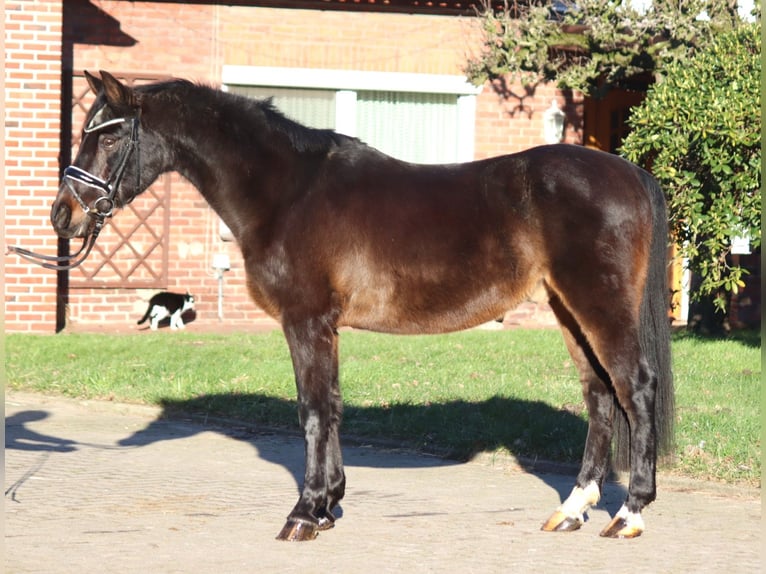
pixel 164 305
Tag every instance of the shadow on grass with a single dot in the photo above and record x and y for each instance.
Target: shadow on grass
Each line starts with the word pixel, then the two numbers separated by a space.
pixel 454 431
pixel 746 337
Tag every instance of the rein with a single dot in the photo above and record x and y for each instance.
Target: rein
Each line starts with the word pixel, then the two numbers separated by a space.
pixel 101 208
pixel 62 262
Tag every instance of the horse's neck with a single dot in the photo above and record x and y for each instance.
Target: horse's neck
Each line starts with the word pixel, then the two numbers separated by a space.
pixel 215 161
pixel 232 174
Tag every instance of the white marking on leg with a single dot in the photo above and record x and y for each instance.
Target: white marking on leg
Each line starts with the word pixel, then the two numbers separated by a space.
pixel 633 520
pixel 580 501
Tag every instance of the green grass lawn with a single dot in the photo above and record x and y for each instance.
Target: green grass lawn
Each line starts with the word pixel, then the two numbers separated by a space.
pixel 457 394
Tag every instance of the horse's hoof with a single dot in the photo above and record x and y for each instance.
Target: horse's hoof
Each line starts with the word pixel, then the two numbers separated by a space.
pixel 326 522
pixel 298 531
pixel 620 528
pixel 624 525
pixel 560 522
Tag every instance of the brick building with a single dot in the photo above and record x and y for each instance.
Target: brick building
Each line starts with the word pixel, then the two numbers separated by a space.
pixel 387 71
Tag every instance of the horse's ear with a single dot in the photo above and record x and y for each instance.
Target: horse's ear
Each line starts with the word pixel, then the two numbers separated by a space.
pixel 117 94
pixel 96 85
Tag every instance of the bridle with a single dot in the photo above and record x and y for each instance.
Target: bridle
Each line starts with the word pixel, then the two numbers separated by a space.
pixel 101 208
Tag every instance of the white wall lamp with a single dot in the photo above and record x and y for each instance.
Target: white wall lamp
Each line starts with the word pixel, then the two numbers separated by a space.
pixel 553 124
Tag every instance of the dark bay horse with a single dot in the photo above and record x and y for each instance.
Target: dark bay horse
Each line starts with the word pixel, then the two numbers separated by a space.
pixel 334 233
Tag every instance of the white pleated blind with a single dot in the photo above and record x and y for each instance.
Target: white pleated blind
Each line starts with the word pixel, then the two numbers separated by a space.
pixel 313 108
pixel 420 128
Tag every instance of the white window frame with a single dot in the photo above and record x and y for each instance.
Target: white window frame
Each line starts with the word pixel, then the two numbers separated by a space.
pixel 348 82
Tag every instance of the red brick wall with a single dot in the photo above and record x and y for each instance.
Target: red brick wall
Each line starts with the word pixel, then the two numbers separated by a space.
pixel 32 127
pixel 512 121
pixel 194 42
pixel 345 40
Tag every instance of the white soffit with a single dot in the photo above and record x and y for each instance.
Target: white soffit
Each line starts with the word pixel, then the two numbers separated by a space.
pixel 326 79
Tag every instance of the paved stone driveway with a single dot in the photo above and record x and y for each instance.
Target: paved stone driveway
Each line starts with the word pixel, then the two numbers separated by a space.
pixel 95 487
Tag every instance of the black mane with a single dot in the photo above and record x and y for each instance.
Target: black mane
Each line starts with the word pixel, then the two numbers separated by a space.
pixel 261 118
pixel 303 138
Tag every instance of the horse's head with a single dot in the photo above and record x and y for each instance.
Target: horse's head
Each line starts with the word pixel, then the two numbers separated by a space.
pixel 105 174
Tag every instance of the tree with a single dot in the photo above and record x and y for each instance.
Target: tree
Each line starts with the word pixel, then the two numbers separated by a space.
pixel 592 45
pixel 698 130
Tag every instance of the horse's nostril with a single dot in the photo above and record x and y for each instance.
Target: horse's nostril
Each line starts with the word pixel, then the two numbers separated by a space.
pixel 61 216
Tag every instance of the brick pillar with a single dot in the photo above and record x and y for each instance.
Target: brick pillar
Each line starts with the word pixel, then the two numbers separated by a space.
pixel 33 34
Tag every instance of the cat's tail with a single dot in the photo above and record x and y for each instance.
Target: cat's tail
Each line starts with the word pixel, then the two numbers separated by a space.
pixel 146 316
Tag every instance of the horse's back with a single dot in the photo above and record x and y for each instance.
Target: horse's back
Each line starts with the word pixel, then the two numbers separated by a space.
pixel 547 197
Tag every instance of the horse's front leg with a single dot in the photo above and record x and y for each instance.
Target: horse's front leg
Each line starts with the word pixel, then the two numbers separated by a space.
pixel 314 350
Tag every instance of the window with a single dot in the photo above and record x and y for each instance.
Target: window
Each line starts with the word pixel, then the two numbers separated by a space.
pixel 415 117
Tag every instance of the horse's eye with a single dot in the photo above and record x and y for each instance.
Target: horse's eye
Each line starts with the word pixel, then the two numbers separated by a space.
pixel 108 142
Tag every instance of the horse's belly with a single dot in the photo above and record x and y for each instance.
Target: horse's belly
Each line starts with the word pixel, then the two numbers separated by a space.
pixel 429 295
pixel 423 310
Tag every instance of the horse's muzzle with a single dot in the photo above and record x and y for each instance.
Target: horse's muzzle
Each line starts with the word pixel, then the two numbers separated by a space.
pixel 61 216
pixel 68 220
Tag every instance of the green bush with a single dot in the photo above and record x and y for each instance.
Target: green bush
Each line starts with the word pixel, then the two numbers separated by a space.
pixel 699 132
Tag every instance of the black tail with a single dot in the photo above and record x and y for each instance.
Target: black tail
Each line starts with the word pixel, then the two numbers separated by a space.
pixel 146 316
pixel 654 336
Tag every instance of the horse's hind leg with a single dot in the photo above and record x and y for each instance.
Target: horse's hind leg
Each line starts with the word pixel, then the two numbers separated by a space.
pixel 614 351
pixel 600 404
pixel 636 395
pixel 314 350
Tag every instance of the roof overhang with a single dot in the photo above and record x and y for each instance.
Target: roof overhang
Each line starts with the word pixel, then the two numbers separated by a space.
pixel 438 7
